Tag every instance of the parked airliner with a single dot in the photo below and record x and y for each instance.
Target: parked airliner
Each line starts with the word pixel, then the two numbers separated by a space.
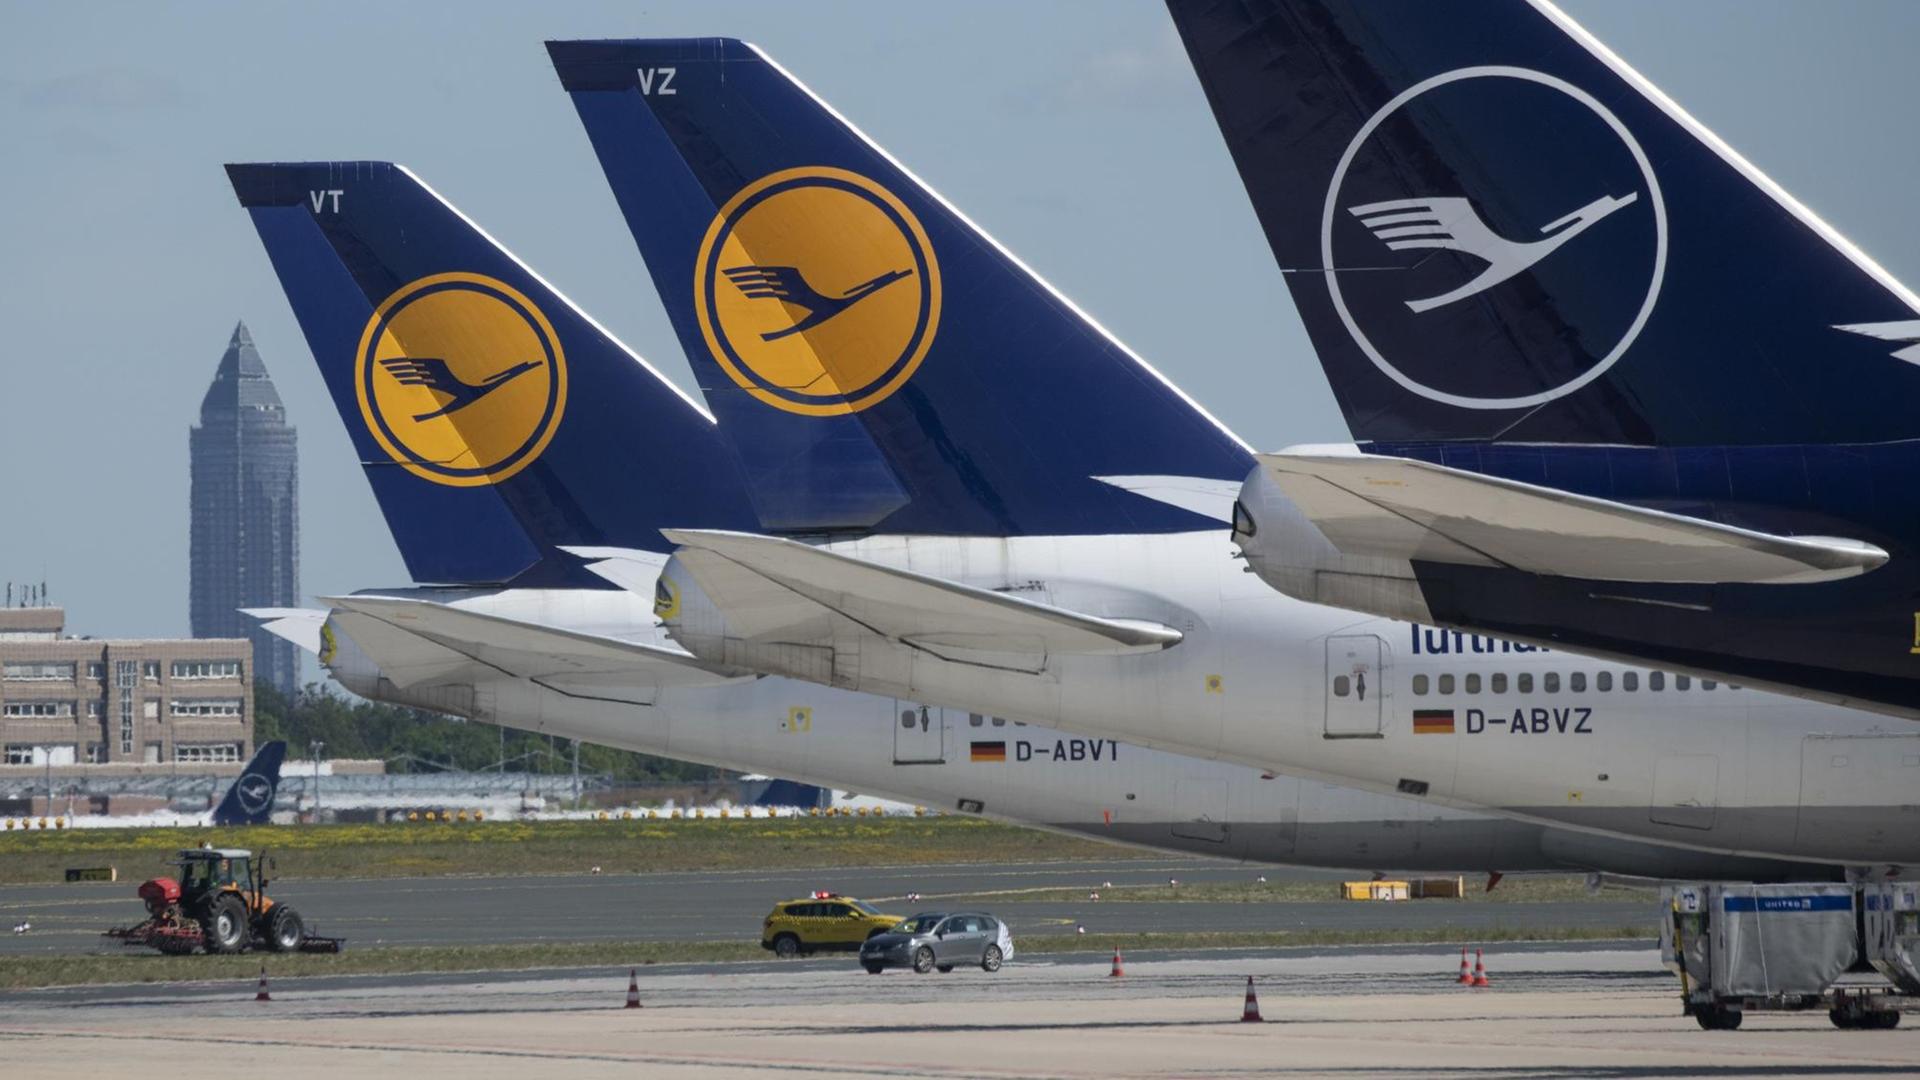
pixel 589 662
pixel 969 494
pixel 1683 434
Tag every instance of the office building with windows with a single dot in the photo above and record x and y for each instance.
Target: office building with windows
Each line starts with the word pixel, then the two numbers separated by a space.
pixel 78 701
pixel 244 538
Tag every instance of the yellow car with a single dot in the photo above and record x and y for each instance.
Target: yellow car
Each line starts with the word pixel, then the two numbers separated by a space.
pixel 822 921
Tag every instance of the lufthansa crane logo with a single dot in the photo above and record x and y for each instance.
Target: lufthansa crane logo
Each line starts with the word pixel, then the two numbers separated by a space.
pixel 817 291
pixel 254 791
pixel 666 599
pixel 460 379
pixel 1506 208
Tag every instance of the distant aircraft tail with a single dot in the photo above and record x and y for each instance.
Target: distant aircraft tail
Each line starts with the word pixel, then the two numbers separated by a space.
pixel 880 362
pixel 250 800
pixel 792 793
pixel 1494 229
pixel 495 420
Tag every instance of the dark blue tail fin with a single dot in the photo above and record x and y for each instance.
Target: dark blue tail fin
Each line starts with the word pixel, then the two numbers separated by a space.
pixel 879 361
pixel 250 800
pixel 792 793
pixel 1495 229
pixel 495 420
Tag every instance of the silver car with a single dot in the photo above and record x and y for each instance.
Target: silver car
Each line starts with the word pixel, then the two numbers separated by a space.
pixel 933 940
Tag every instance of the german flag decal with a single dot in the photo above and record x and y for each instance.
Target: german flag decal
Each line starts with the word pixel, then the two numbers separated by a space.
pixel 989 751
pixel 1428 722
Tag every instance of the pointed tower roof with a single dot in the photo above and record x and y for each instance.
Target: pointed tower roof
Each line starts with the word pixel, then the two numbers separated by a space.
pixel 241 383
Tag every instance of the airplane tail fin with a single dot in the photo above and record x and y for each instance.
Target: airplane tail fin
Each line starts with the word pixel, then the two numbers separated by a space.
pixel 1494 229
pixel 495 420
pixel 250 800
pixel 878 360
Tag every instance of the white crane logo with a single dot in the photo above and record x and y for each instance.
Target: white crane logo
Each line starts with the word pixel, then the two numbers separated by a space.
pixel 1450 224
pixel 255 792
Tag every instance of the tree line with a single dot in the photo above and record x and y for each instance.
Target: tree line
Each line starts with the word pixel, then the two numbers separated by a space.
pixel 414 740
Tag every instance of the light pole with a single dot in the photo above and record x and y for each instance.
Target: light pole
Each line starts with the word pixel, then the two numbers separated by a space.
pixel 314 747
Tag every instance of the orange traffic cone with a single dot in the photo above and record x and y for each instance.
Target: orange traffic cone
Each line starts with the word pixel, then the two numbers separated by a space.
pixel 261 994
pixel 1466 976
pixel 633 988
pixel 1250 1012
pixel 1116 972
pixel 1479 970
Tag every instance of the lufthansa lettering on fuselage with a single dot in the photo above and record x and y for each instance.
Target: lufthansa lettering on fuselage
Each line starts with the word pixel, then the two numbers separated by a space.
pixel 1567 720
pixel 1428 640
pixel 1067 750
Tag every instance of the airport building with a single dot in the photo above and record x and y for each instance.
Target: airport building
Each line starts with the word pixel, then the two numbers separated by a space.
pixel 244 538
pixel 69 705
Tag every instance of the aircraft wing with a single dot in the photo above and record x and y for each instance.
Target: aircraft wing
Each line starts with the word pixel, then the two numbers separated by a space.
pixel 766 587
pixel 418 642
pixel 298 625
pixel 1398 508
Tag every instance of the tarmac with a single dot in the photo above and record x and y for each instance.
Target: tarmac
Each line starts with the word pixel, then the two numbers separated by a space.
pixel 1554 1011
pixel 68 919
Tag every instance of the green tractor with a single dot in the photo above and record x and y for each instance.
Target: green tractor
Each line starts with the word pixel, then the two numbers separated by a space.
pixel 219 903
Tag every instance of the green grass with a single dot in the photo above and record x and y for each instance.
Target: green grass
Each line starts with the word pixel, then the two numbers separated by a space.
pixel 421 849
pixel 1544 888
pixel 612 957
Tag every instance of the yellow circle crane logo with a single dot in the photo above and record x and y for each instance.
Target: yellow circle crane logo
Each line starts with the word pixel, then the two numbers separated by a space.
pixel 817 291
pixel 461 379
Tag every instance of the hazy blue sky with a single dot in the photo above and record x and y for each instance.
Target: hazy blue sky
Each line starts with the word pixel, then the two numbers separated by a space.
pixel 1074 132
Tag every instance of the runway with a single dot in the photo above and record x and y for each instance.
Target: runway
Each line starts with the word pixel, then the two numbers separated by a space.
pixel 1552 1010
pixel 707 906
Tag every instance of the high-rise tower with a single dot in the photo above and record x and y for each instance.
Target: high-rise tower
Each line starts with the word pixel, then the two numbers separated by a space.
pixel 245 503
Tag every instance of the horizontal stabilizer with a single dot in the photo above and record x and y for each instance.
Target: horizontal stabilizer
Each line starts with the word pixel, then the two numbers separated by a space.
pixel 1397 508
pixel 298 625
pixel 586 665
pixel 736 570
pixel 1197 494
pixel 632 569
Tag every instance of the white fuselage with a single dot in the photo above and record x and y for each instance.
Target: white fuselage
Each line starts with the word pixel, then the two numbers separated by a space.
pixel 950 760
pixel 1281 685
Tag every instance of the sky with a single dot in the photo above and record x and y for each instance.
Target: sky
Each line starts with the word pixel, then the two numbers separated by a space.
pixel 1074 132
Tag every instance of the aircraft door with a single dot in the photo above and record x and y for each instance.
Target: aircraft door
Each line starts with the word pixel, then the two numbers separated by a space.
pixel 1356 677
pixel 1686 790
pixel 919 734
pixel 1848 785
pixel 1200 809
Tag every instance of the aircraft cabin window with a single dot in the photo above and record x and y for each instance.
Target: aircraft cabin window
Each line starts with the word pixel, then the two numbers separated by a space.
pixel 1499 682
pixel 1419 685
pixel 974 719
pixel 1683 682
pixel 1603 681
pixel 1473 684
pixel 1629 680
pixel 1708 684
pixel 1656 680
pixel 1550 682
pixel 1342 685
pixel 906 718
pixel 999 721
pixel 1446 684
pixel 1577 681
pixel 1524 683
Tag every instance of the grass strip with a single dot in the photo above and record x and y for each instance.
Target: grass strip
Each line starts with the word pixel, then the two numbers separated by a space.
pixel 135 967
pixel 436 849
